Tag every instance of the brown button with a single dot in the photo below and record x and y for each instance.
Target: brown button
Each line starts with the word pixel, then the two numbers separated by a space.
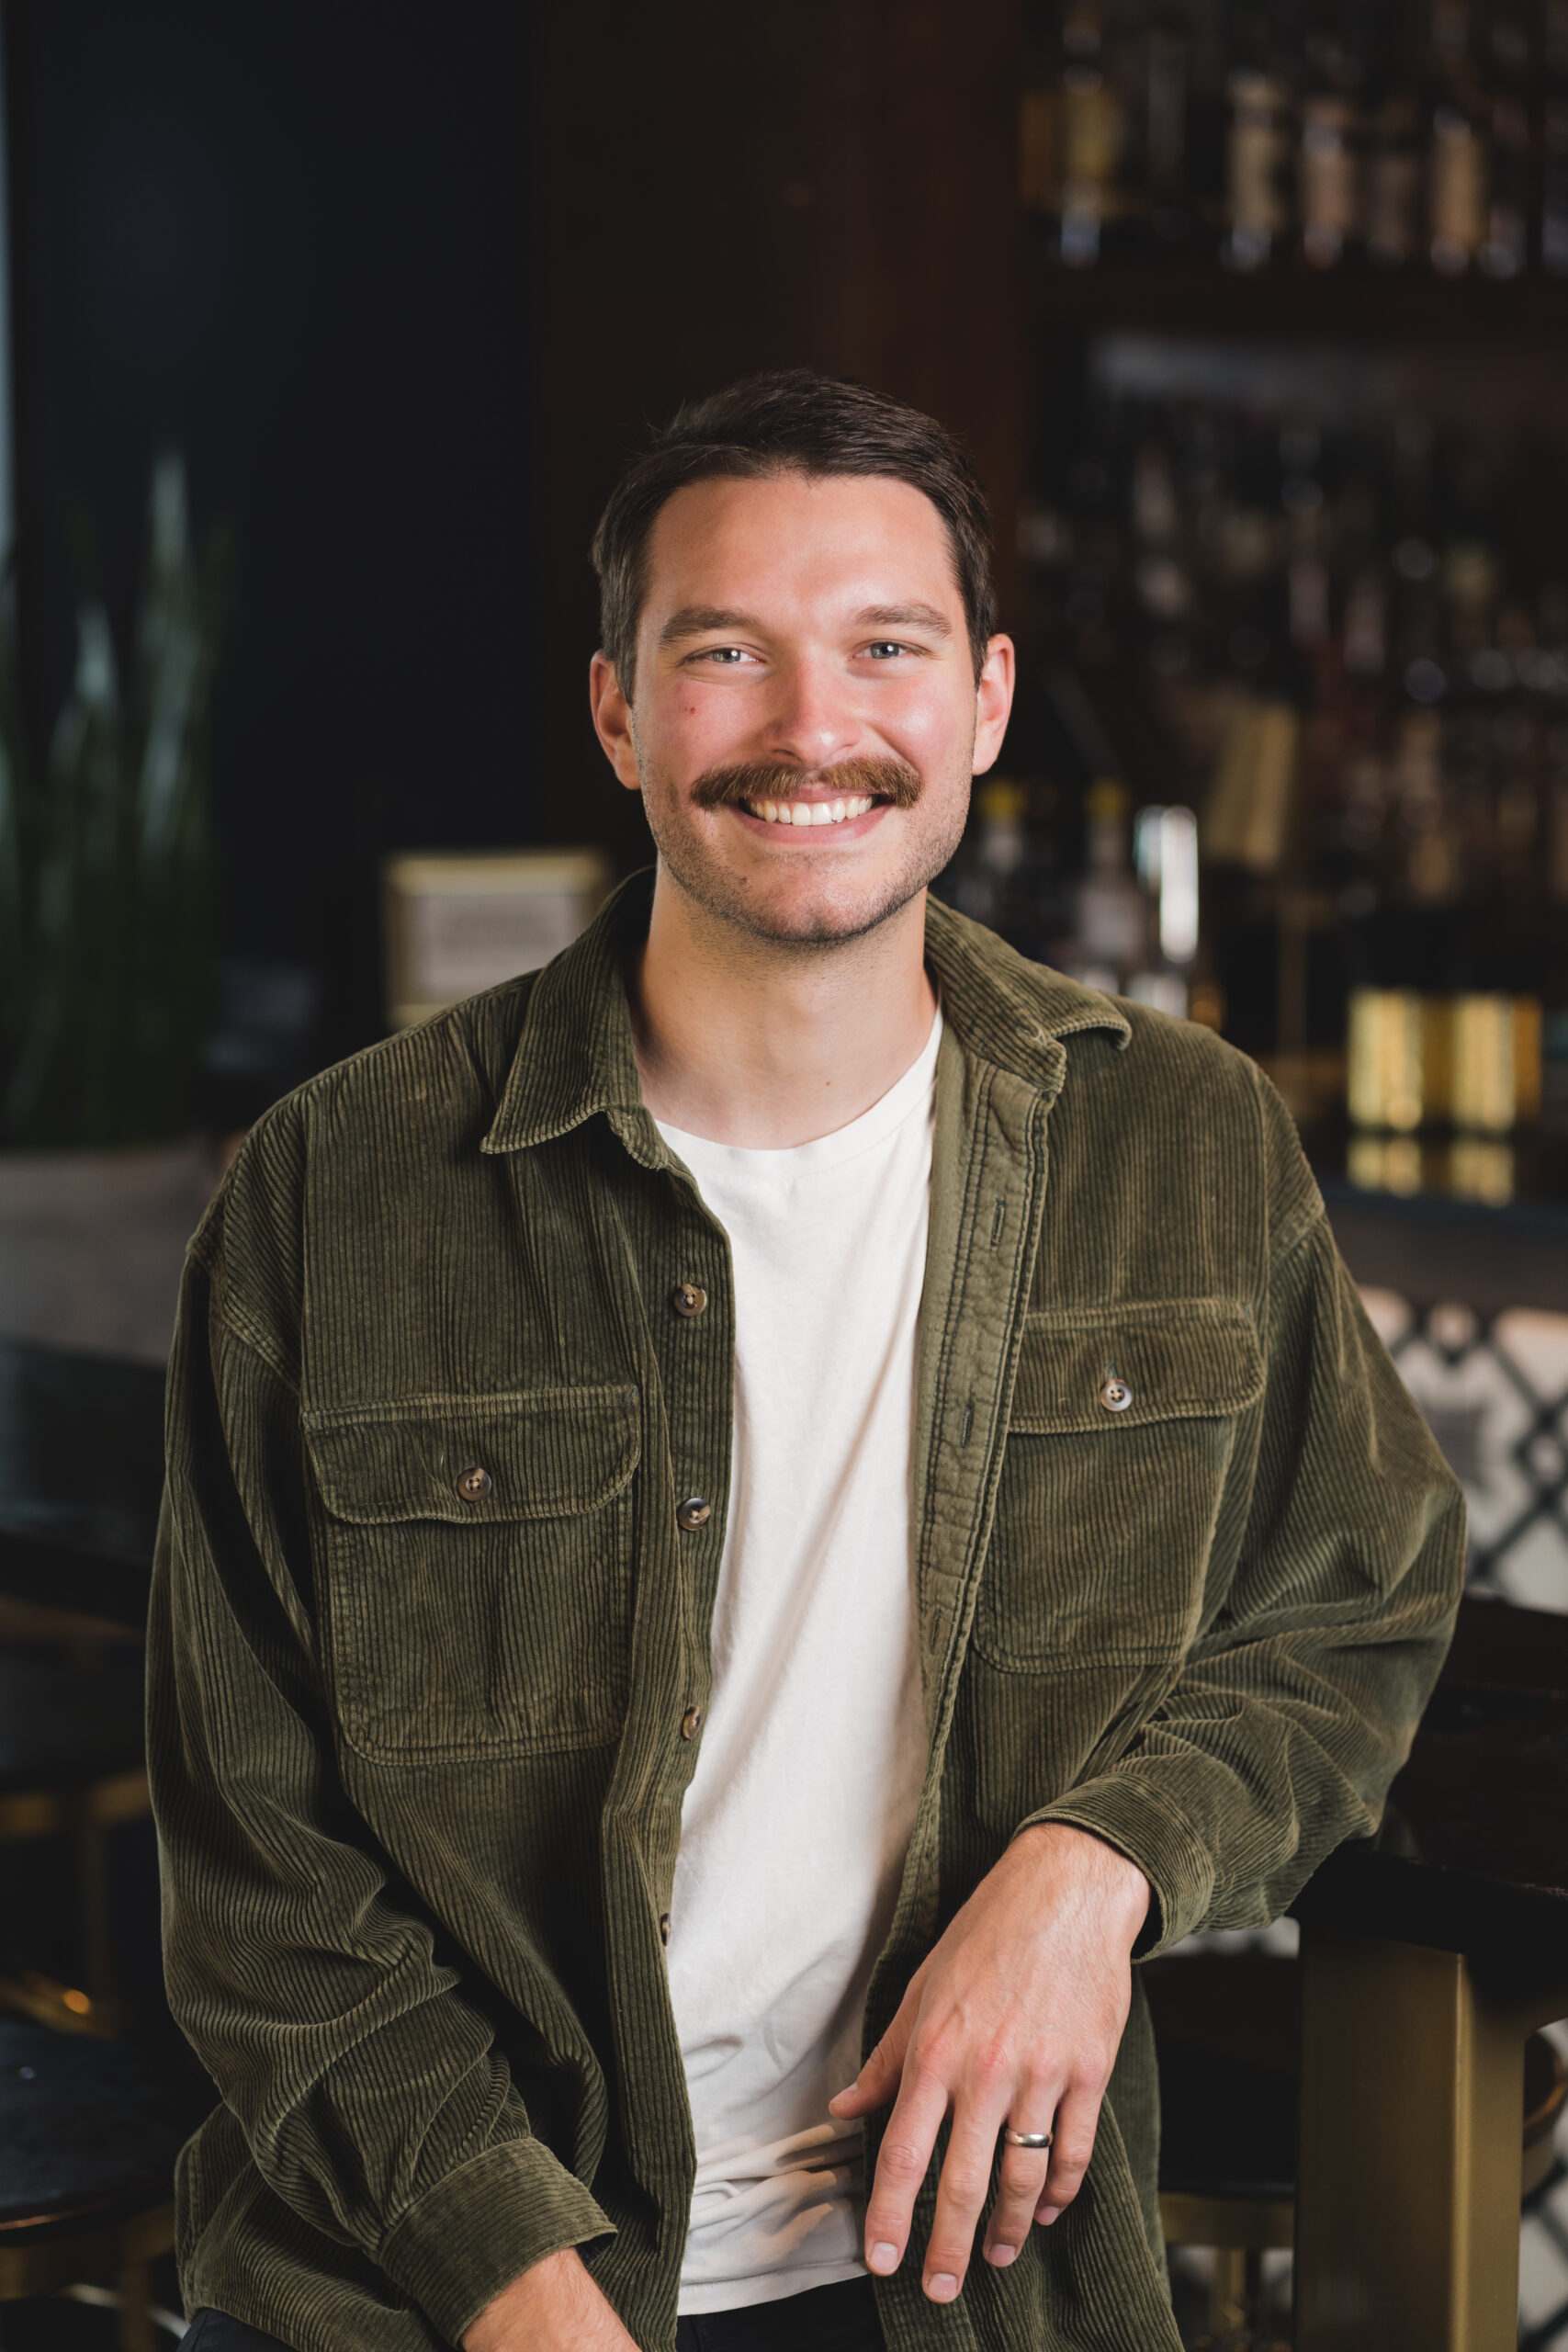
pixel 688 1298
pixel 1115 1396
pixel 689 1722
pixel 664 1928
pixel 694 1512
pixel 475 1484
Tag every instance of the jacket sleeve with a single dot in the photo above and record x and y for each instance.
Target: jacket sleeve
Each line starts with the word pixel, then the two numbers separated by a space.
pixel 368 2089
pixel 1299 1701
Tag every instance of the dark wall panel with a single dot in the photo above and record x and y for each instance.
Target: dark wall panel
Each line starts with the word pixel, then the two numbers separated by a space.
pixel 296 242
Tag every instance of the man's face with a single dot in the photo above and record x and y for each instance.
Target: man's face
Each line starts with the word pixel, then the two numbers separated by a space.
pixel 802 653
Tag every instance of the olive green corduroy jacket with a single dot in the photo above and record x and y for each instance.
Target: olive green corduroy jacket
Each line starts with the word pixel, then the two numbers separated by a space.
pixel 417 1758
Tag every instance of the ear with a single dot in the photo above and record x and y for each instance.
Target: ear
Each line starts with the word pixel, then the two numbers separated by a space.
pixel 613 720
pixel 993 701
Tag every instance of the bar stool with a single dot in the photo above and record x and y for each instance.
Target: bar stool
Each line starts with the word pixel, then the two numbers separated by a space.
pixel 70 1766
pixel 89 2130
pixel 1228 2031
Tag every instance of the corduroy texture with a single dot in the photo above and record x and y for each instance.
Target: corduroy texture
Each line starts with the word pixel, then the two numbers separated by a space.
pixel 417 1753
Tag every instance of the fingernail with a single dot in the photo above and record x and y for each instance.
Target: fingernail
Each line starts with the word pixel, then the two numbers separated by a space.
pixel 884 2256
pixel 999 2254
pixel 1047 2215
pixel 942 2287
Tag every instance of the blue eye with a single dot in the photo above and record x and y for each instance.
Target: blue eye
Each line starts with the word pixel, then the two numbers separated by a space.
pixel 883 647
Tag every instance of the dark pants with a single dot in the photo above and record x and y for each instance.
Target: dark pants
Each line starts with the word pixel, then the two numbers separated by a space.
pixel 825 2319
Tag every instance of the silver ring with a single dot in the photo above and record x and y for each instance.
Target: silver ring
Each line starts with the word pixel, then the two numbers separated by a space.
pixel 1026 2139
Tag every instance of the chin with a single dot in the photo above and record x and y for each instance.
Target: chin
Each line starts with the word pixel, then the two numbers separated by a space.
pixel 804 917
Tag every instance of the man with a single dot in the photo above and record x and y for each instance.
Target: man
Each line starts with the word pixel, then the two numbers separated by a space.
pixel 793 1488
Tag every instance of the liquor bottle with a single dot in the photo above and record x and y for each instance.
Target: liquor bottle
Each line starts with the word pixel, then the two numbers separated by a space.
pixel 1393 211
pixel 1428 872
pixel 1038 175
pixel 1307 536
pixel 1331 134
pixel 1005 876
pixel 1328 179
pixel 1506 249
pixel 1457 166
pixel 1167 161
pixel 1554 139
pixel 1161 575
pixel 1092 136
pixel 1110 947
pixel 1257 161
pixel 1364 640
pixel 1164 852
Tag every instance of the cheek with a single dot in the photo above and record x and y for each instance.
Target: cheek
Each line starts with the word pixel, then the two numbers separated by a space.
pixel 934 730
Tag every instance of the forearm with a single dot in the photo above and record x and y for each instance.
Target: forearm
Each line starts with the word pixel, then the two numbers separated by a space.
pixel 1297 1704
pixel 1265 1757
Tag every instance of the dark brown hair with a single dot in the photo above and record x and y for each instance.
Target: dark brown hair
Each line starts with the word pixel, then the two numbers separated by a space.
pixel 790 419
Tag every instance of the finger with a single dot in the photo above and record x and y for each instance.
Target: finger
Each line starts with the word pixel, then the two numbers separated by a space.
pixel 901 2164
pixel 1077 2119
pixel 966 2177
pixel 1021 2176
pixel 878 2079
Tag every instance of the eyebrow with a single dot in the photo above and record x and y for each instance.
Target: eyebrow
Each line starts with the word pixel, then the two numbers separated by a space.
pixel 697 620
pixel 905 616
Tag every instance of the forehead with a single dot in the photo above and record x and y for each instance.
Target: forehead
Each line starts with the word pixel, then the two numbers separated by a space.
pixel 793 540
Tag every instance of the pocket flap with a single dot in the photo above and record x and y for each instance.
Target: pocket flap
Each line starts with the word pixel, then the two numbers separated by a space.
pixel 1180 1359
pixel 547 1453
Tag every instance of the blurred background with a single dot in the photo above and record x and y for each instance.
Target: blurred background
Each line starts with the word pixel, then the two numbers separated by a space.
pixel 323 334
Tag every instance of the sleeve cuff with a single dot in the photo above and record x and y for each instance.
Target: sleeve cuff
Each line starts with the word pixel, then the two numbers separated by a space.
pixel 1150 1832
pixel 483 2226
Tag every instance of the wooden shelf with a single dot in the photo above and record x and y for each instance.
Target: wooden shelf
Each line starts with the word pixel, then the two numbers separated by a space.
pixel 1192 294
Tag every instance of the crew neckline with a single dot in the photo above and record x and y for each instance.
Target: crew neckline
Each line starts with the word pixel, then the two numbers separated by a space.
pixel 863 1134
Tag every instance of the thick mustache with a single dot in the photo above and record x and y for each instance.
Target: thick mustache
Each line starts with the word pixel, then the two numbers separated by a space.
pixel 891 780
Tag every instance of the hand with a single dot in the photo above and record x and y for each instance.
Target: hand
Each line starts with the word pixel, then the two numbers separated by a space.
pixel 1015 2018
pixel 553 2307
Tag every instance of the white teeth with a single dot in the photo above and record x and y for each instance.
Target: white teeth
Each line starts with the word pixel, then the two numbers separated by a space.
pixel 810 812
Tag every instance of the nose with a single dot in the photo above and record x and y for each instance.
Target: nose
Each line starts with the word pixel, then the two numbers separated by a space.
pixel 811 720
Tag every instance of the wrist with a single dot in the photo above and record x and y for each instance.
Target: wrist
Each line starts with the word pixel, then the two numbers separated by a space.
pixel 1116 1881
pixel 554 2287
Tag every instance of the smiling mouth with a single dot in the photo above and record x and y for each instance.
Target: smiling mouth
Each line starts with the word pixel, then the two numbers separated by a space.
pixel 811 812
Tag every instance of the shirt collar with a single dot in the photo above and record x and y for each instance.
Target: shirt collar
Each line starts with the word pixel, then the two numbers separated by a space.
pixel 574 1054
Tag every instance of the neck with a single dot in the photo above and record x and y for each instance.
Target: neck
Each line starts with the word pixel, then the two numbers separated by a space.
pixel 746 1041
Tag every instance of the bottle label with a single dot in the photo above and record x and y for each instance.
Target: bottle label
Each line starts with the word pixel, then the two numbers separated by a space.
pixel 1328 183
pixel 1257 149
pixel 1458 192
pixel 1393 197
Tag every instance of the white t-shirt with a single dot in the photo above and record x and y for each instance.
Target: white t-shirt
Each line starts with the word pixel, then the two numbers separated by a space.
pixel 795 1824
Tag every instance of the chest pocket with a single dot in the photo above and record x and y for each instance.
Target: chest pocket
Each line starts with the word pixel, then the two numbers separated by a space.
pixel 476 1570
pixel 1123 1428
